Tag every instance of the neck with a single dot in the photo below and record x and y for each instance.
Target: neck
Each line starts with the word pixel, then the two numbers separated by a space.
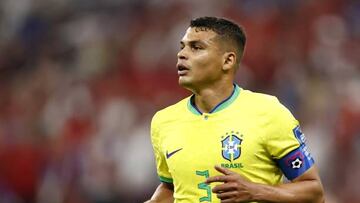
pixel 206 99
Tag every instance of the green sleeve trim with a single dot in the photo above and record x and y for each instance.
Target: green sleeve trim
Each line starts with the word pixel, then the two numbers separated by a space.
pixel 166 180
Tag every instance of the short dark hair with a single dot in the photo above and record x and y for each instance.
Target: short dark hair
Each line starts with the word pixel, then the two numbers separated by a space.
pixel 225 28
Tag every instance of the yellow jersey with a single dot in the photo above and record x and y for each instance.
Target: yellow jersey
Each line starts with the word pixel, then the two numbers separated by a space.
pixel 249 133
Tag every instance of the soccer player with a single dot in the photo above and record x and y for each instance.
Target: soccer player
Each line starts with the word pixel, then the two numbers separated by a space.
pixel 225 143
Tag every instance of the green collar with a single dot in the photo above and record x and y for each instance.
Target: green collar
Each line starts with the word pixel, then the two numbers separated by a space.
pixel 222 105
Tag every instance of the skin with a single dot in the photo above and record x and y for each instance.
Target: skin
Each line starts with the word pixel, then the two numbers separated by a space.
pixel 211 68
pixel 207 68
pixel 236 188
pixel 163 194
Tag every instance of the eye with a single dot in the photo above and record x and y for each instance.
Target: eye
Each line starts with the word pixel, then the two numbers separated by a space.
pixel 196 47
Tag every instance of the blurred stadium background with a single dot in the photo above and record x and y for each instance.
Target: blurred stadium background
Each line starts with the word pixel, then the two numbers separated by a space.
pixel 80 80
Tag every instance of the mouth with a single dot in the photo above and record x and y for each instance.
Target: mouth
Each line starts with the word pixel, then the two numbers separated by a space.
pixel 182 69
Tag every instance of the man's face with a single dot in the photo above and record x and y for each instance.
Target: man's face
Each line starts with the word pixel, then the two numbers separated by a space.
pixel 200 59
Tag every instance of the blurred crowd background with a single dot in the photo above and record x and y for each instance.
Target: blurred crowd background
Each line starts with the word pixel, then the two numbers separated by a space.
pixel 81 79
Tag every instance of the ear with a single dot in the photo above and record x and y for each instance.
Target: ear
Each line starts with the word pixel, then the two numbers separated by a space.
pixel 229 60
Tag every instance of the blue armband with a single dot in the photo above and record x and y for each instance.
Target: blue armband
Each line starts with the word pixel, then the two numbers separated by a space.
pixel 296 162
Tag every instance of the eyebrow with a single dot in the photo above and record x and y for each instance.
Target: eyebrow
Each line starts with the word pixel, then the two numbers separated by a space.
pixel 192 42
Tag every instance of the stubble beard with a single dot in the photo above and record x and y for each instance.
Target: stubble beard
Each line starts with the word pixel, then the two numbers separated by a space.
pixel 186 83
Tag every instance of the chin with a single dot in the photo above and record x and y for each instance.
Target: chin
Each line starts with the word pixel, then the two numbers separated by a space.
pixel 187 84
pixel 184 82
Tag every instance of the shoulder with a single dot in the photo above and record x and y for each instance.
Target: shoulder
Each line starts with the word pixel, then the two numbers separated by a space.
pixel 171 112
pixel 264 105
pixel 259 100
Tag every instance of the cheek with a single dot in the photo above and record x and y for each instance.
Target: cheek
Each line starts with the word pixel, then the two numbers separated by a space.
pixel 205 60
pixel 208 64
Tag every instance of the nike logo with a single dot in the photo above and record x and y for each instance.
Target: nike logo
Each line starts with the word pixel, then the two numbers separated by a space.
pixel 168 155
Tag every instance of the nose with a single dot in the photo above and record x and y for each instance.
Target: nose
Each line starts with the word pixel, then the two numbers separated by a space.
pixel 182 54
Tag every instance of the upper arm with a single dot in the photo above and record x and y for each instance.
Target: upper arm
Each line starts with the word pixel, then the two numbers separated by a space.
pixel 311 174
pixel 287 145
pixel 161 164
pixel 285 142
pixel 311 179
pixel 163 194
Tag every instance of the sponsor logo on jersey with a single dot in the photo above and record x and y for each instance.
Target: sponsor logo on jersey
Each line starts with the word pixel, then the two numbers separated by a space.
pixel 168 155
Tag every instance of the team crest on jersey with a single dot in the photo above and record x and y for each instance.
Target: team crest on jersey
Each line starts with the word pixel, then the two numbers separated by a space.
pixel 231 149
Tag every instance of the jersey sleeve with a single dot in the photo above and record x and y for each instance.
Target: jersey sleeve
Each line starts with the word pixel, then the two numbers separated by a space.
pixel 161 165
pixel 286 143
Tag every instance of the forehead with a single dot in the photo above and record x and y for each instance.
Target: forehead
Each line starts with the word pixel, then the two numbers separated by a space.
pixel 199 34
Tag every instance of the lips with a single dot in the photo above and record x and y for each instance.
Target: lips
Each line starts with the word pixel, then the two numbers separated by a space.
pixel 182 69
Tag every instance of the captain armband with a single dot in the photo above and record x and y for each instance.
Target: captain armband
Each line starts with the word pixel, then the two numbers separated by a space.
pixel 296 162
